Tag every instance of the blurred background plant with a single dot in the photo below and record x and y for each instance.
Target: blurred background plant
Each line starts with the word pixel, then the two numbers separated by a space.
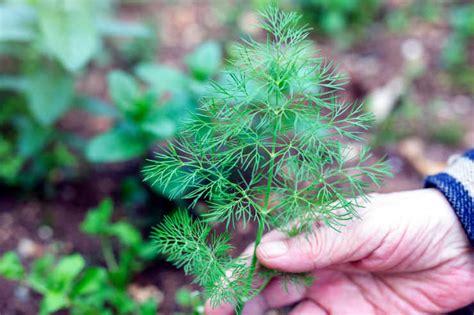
pixel 152 104
pixel 149 107
pixel 69 282
pixel 45 46
pixel 457 54
pixel 343 21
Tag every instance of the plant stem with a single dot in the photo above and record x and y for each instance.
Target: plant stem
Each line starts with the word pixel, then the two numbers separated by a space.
pixel 261 223
pixel 108 253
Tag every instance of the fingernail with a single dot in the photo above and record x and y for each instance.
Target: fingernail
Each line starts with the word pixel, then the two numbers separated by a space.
pixel 273 249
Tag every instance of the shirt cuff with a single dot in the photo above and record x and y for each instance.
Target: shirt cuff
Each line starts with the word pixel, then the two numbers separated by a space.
pixel 457 185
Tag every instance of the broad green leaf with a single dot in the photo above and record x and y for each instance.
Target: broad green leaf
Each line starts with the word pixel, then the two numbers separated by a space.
pixel 126 233
pixel 92 304
pixel 31 138
pixel 92 281
pixel 40 270
pixel 52 302
pixel 116 145
pixel 11 267
pixel 16 22
pixel 49 95
pixel 164 120
pixel 205 60
pixel 10 167
pixel 121 301
pixel 142 108
pixel 67 269
pixel 69 31
pixel 161 78
pixel 123 89
pixel 127 266
pixel 160 126
pixel 98 219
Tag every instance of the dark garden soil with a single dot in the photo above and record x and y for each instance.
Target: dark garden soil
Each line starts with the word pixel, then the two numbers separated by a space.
pixel 32 226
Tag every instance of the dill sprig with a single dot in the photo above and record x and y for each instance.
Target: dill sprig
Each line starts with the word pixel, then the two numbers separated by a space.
pixel 192 245
pixel 269 145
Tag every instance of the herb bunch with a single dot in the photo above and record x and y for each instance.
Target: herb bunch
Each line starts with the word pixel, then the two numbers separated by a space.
pixel 266 147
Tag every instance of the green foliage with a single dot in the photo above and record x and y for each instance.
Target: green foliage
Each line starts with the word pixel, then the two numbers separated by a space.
pixel 450 133
pixel 191 245
pixel 44 46
pixel 154 113
pixel 133 249
pixel 67 282
pixel 49 96
pixel 205 61
pixel 269 146
pixel 10 266
pixel 27 147
pixel 462 25
pixel 70 32
pixel 340 18
pixel 30 143
pixel 11 164
pixel 456 51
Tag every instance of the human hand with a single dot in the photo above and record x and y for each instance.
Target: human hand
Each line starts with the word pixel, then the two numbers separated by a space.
pixel 408 254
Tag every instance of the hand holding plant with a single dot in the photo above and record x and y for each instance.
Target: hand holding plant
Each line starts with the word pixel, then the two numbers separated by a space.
pixel 408 255
pixel 266 148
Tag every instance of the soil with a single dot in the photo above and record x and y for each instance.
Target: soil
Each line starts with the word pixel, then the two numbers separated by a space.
pixel 33 225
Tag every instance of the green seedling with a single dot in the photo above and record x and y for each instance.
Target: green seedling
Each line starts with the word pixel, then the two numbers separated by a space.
pixel 69 283
pixel 152 105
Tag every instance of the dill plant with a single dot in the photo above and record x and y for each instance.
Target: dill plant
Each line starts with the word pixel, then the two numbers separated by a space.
pixel 268 147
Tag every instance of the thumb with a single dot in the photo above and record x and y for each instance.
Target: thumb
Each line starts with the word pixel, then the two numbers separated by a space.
pixel 322 248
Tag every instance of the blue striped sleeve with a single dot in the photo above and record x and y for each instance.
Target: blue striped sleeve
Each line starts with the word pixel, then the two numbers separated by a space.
pixel 457 184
